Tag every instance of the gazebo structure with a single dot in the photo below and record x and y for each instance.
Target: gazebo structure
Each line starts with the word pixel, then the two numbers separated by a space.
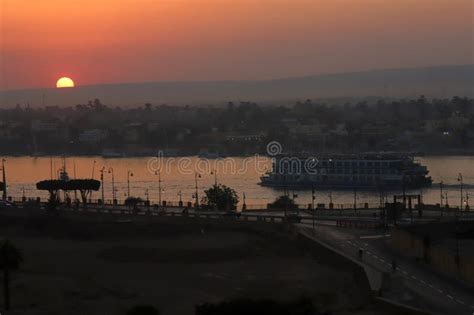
pixel 84 186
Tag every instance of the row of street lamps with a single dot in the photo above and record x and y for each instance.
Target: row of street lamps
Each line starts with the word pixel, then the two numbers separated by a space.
pixel 160 189
pixel 110 170
pixel 464 201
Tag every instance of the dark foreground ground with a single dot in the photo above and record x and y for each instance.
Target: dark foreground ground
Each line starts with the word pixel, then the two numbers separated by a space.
pixel 91 267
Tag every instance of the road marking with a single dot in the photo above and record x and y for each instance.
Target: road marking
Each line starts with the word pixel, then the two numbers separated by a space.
pixel 460 302
pixel 440 291
pixel 404 272
pixel 413 277
pixel 449 296
pixel 382 260
pixel 422 281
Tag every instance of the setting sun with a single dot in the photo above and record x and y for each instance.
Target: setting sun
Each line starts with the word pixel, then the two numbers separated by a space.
pixel 65 83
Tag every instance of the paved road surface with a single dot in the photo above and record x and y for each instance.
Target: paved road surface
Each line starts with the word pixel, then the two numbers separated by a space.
pixel 441 295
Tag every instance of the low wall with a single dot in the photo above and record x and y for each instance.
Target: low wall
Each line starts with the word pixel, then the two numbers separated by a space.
pixel 438 256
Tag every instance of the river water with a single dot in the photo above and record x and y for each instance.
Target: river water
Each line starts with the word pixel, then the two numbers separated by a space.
pixel 178 177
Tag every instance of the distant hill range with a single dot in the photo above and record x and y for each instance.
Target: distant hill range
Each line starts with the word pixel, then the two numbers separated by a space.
pixel 439 81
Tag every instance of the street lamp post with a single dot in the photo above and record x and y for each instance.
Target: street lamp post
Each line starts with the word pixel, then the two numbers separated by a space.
pixel 4 176
pixel 180 194
pixel 158 173
pixel 441 197
pixel 196 175
pixel 129 174
pixel 51 167
pixel 75 191
pixel 102 184
pixel 114 199
pixel 93 169
pixel 312 206
pixel 354 187
pixel 462 195
pixel 355 199
pixel 147 194
pixel 214 172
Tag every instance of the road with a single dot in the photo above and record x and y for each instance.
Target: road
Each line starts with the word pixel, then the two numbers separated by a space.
pixel 411 283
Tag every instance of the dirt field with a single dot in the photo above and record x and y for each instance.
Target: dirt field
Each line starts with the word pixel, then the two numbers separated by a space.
pixel 90 267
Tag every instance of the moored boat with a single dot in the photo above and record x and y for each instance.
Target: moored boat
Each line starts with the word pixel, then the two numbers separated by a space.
pixel 369 171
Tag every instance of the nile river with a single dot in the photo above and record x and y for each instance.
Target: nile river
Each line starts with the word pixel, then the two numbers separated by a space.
pixel 178 177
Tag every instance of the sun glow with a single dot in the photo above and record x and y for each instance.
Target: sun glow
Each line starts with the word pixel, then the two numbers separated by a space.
pixel 64 83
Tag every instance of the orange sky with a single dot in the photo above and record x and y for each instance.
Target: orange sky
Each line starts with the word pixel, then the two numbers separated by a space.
pixel 109 41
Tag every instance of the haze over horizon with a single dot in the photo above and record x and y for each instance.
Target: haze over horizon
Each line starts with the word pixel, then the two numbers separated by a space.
pixel 261 80
pixel 110 42
pixel 433 82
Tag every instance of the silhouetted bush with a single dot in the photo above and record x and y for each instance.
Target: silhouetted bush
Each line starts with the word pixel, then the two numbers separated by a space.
pixel 220 197
pixel 283 202
pixel 133 201
pixel 10 259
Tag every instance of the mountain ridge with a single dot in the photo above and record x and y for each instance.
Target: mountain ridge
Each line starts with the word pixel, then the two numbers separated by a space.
pixel 435 81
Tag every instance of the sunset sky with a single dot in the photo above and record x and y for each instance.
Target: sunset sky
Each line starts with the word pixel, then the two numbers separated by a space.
pixel 111 41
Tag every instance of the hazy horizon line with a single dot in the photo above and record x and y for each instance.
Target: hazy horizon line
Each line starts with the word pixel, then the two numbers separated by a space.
pixel 243 81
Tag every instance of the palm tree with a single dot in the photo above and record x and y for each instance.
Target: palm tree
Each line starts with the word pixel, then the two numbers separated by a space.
pixel 10 259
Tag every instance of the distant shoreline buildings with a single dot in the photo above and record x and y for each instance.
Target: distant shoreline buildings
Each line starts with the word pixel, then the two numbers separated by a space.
pixel 421 126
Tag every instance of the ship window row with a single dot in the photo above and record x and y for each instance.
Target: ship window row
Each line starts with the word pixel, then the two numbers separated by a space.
pixel 349 179
pixel 342 179
pixel 342 171
pixel 360 164
pixel 361 171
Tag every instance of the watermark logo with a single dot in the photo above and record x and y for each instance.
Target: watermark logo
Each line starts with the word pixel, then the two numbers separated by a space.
pixel 223 166
pixel 290 165
pixel 274 148
pixel 311 165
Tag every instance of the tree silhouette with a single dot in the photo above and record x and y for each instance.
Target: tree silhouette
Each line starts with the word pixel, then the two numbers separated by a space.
pixel 10 259
pixel 220 197
pixel 283 202
pixel 133 201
